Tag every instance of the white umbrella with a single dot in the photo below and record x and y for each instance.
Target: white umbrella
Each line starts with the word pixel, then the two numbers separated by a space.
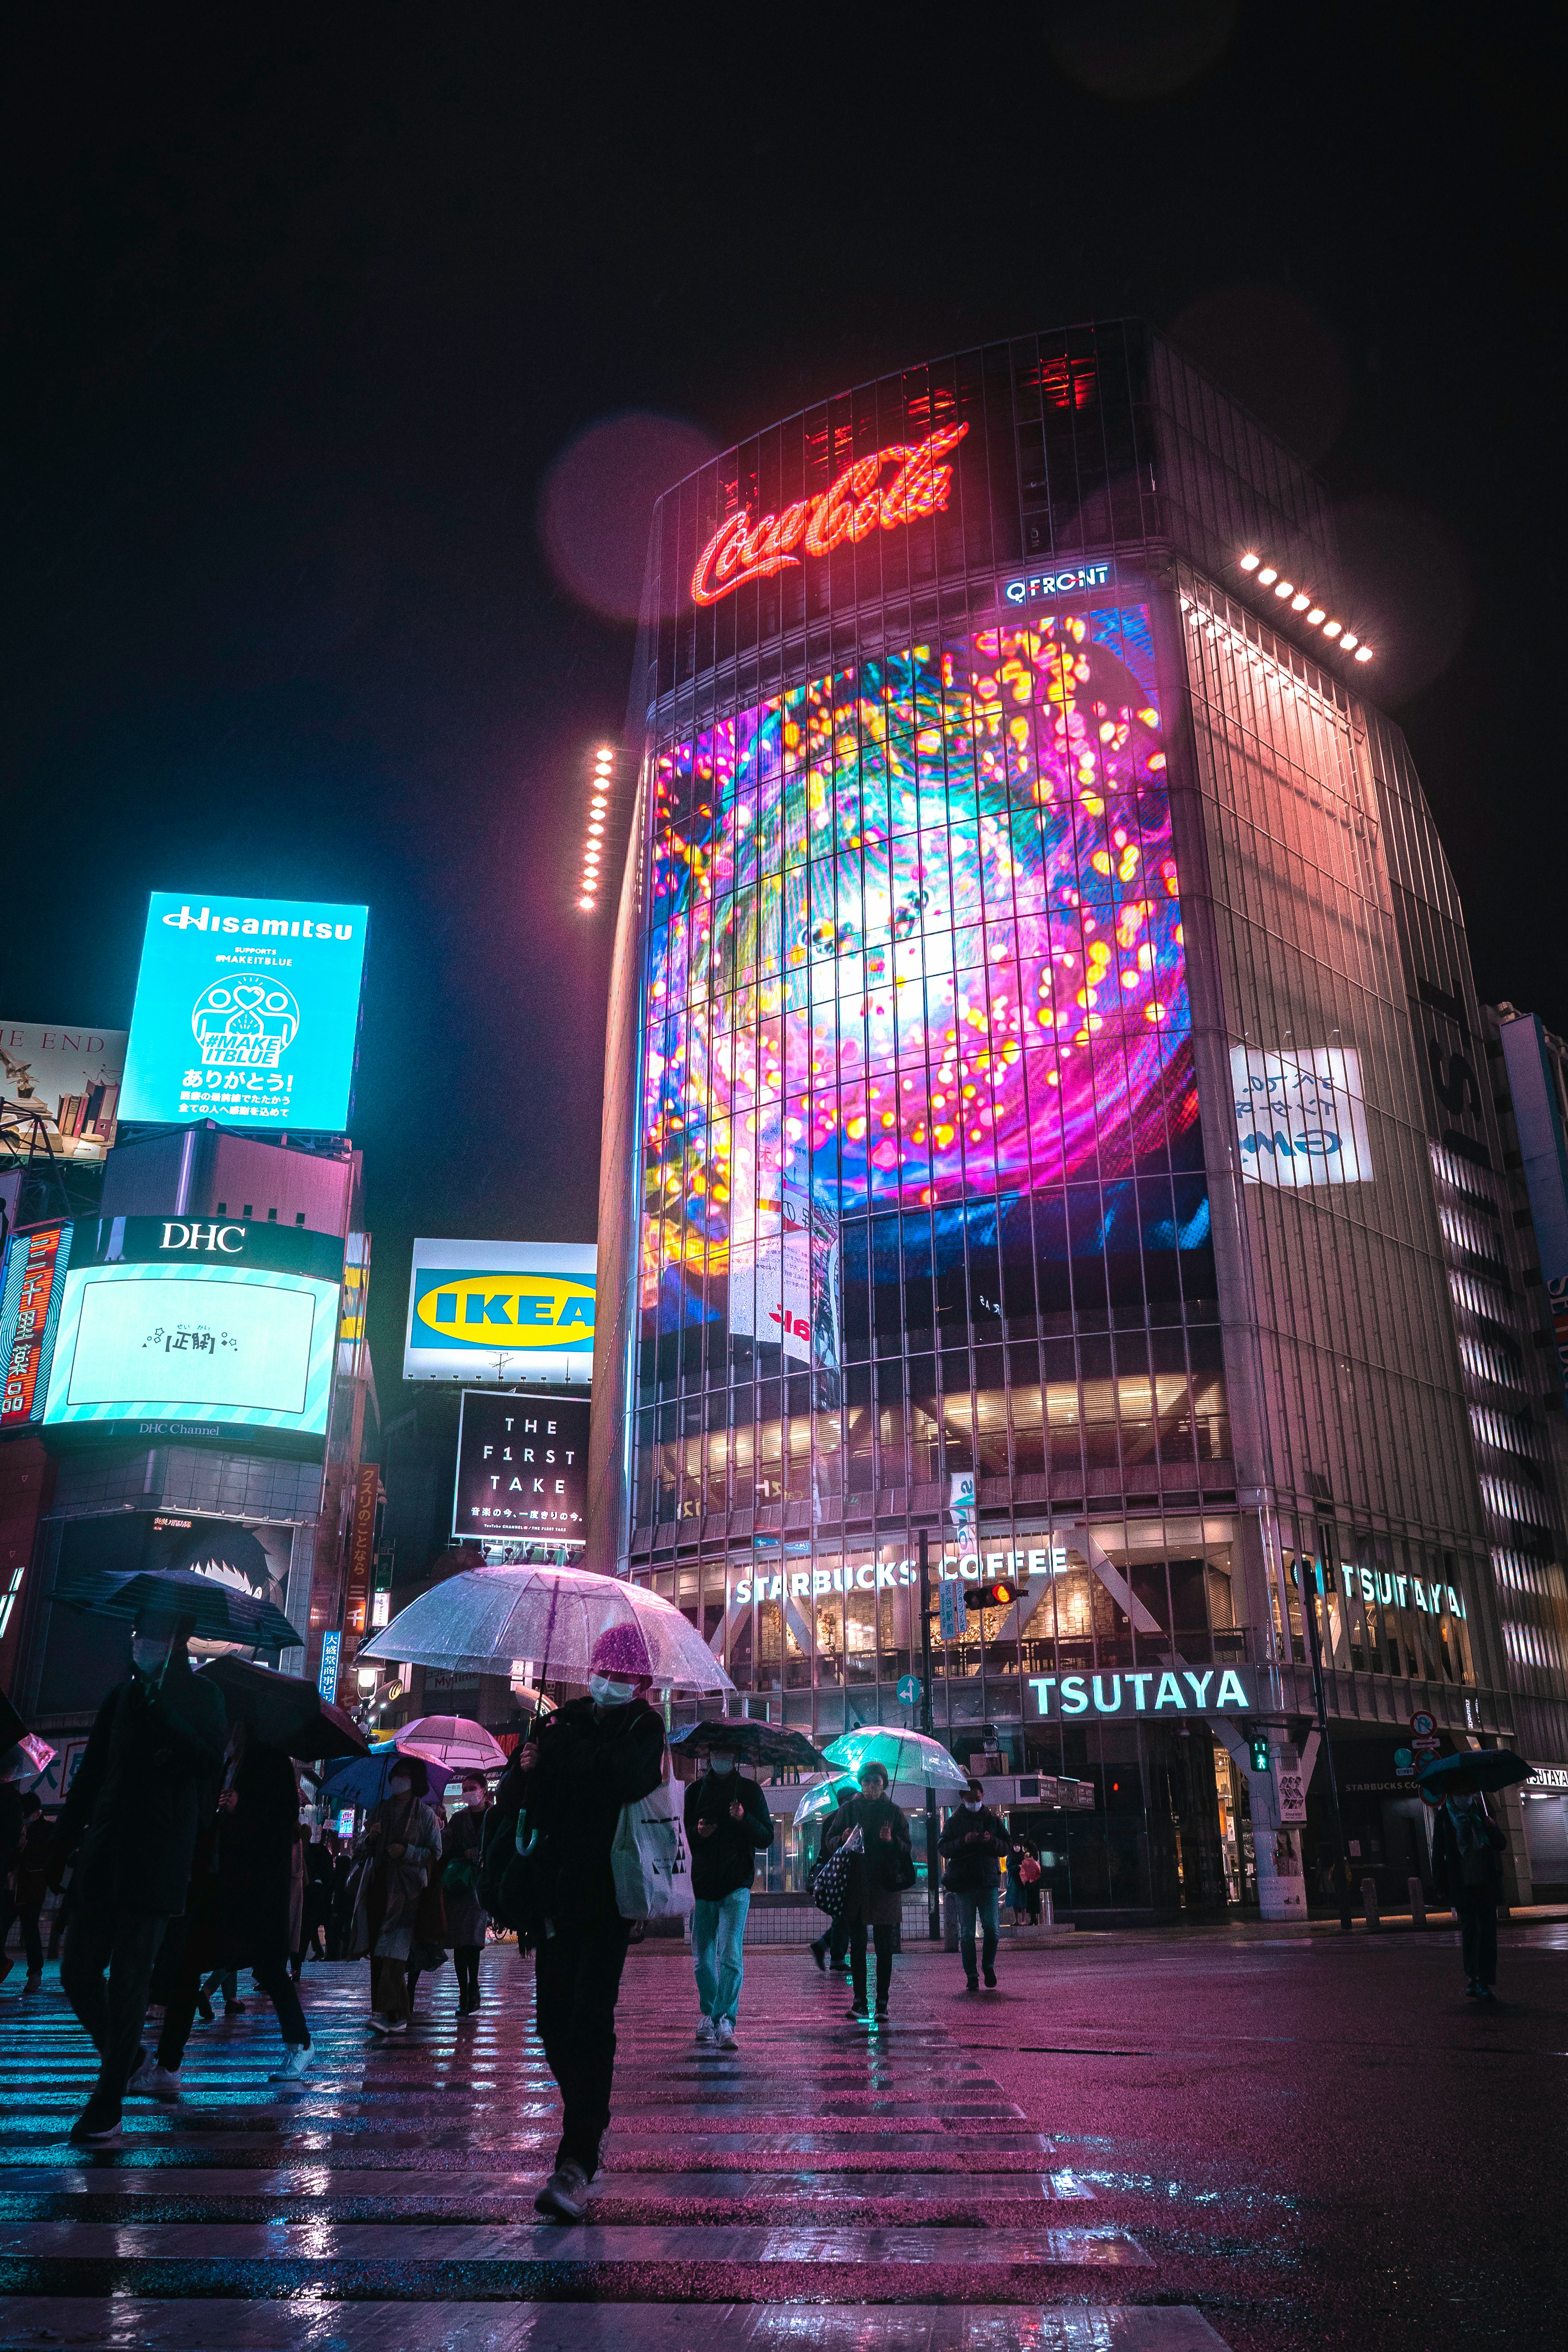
pixel 906 1756
pixel 451 1744
pixel 479 1621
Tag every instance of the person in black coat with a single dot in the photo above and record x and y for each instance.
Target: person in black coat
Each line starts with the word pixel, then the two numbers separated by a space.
pixel 972 1844
pixel 727 1825
pixel 241 1892
pixel 148 1779
pixel 1466 1846
pixel 886 1867
pixel 576 1772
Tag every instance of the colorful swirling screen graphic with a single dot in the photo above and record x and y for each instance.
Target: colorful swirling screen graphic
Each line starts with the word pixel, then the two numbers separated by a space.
pixel 915 941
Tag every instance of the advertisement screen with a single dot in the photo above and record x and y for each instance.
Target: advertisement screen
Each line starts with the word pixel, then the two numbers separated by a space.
pixel 916 948
pixel 1299 1118
pixel 248 1010
pixel 68 1075
pixel 498 1311
pixel 30 1290
pixel 522 1468
pixel 179 1328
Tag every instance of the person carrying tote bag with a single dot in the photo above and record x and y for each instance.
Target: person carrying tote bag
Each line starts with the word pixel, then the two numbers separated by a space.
pixel 875 1902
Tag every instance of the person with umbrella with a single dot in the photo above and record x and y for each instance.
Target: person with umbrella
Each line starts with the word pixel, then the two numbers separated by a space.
pixel 399 1851
pixel 463 1851
pixel 829 1951
pixel 1466 1844
pixel 145 1784
pixel 576 1772
pixel 884 1867
pixel 727 1825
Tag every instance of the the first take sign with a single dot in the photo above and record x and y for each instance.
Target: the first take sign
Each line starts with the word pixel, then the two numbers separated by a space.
pixel 1154 1691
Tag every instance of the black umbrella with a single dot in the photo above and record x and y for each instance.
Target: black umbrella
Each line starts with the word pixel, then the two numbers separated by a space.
pixel 1471 1767
pixel 285 1711
pixel 757 1743
pixel 157 1602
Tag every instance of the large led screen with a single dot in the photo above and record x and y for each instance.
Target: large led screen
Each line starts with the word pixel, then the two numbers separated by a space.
pixel 916 943
pixel 193 1352
pixel 248 1011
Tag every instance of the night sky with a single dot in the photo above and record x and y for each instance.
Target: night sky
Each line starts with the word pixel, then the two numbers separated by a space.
pixel 301 322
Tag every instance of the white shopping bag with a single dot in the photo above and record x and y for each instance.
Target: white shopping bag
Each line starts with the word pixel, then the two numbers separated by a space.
pixel 650 1858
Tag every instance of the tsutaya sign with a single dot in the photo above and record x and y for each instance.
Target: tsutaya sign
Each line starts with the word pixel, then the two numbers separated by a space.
pixel 893 1575
pixel 1170 1691
pixel 858 503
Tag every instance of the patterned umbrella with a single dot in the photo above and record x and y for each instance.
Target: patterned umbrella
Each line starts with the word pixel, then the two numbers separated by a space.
pixel 563 1618
pixel 906 1756
pixel 759 1743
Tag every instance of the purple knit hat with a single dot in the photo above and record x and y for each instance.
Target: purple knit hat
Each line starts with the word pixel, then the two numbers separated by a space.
pixel 621 1651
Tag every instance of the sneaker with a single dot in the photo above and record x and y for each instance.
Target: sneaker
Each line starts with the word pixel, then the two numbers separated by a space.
pixel 152 2080
pixel 724 2033
pixel 881 2014
pixel 839 1968
pixel 1472 1991
pixel 205 2010
pixel 235 2008
pixel 704 2030
pixel 1485 1992
pixel 971 1984
pixel 859 2015
pixel 295 2059
pixel 395 2025
pixel 34 1982
pixel 564 2195
pixel 990 1976
pixel 98 2122
pixel 377 2023
pixel 819 1954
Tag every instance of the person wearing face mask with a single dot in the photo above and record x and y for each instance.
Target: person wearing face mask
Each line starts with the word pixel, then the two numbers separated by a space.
pixel 727 1825
pixel 399 1850
pixel 462 1853
pixel 886 1867
pixel 972 1844
pixel 148 1781
pixel 587 1761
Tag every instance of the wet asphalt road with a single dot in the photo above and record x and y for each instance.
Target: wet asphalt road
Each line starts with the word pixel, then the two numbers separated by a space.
pixel 1136 2144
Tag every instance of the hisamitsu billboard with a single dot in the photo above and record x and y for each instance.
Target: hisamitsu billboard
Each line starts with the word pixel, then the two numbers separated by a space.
pixel 500 1311
pixel 248 1011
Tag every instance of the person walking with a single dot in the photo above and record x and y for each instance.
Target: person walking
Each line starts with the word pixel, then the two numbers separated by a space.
pixel 400 1849
pixel 13 1830
pixel 579 1769
pixel 830 1946
pixel 1465 1844
pixel 462 1853
pixel 972 1844
pixel 883 1868
pixel 32 1884
pixel 318 1899
pixel 240 1910
pixel 728 1826
pixel 143 1788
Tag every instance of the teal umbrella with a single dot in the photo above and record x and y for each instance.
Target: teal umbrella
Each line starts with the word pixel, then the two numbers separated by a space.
pixel 822 1799
pixel 906 1756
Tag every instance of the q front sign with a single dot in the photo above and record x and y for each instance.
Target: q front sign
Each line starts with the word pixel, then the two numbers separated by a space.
pixel 1155 1693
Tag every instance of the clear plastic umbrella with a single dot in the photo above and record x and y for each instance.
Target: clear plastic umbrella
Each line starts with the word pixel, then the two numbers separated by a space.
pixel 479 1621
pixel 451 1744
pixel 906 1756
pixel 822 1799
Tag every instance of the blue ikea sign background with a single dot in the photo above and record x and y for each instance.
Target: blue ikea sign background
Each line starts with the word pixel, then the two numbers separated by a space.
pixel 248 1011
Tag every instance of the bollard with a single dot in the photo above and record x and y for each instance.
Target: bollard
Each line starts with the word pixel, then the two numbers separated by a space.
pixel 1369 1903
pixel 1047 1915
pixel 1417 1902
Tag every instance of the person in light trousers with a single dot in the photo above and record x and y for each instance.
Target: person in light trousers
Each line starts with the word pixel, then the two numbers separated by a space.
pixel 727 1825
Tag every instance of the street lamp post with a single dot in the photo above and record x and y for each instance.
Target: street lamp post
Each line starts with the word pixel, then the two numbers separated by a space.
pixel 932 1892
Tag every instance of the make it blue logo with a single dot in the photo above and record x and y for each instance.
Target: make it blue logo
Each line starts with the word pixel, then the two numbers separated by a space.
pixel 248 1011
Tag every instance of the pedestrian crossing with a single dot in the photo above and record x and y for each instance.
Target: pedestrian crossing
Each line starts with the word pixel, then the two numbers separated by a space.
pixel 817 2185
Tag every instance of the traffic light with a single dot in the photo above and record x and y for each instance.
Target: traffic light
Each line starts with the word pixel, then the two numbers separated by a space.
pixel 1259 1743
pixel 1000 1592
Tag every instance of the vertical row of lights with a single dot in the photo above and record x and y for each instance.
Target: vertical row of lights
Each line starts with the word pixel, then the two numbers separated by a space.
pixel 598 811
pixel 1298 601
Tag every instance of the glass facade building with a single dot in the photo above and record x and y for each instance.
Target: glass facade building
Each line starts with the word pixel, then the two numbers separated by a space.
pixel 1020 1127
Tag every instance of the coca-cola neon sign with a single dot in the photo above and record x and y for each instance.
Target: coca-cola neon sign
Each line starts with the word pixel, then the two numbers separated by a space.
pixel 858 503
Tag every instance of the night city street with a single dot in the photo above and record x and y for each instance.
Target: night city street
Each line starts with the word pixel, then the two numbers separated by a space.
pixel 1272 2132
pixel 783 1181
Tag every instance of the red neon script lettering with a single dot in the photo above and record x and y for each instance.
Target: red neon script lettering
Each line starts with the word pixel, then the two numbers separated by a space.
pixel 853 507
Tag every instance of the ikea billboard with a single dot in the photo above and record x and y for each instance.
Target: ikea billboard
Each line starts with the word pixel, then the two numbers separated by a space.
pixel 500 1311
pixel 248 1010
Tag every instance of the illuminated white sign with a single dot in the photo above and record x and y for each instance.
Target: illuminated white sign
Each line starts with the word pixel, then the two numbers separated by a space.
pixel 1299 1118
pixel 1158 1691
pixel 1071 580
pixel 892 1575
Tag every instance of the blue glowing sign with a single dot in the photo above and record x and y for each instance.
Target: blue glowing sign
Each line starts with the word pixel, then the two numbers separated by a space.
pixel 327 1680
pixel 1066 580
pixel 248 1011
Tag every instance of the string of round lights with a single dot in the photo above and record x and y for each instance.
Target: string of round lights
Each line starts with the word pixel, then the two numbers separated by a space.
pixel 599 780
pixel 1300 600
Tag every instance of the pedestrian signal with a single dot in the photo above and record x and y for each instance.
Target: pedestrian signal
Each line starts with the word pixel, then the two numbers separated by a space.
pixel 1260 1745
pixel 1000 1592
